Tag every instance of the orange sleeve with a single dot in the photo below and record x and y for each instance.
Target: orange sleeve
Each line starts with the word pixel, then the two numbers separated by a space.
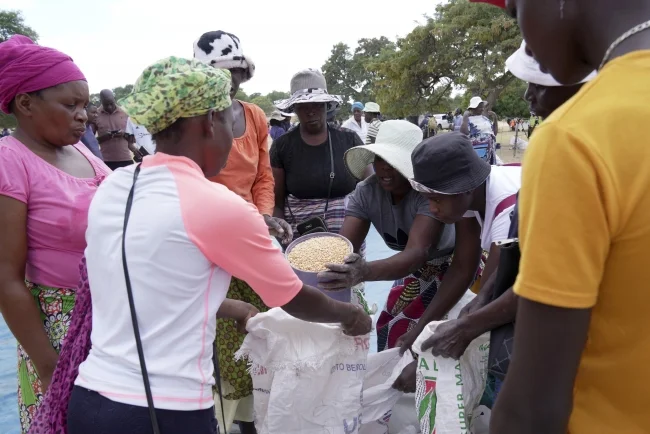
pixel 264 185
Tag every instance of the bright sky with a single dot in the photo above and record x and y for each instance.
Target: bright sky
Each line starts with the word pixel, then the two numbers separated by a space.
pixel 114 40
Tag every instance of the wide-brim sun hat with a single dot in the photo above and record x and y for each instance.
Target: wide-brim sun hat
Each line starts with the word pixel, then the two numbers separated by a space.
pixel 448 164
pixel 372 107
pixel 475 102
pixel 525 67
pixel 395 143
pixel 223 50
pixel 279 116
pixel 308 86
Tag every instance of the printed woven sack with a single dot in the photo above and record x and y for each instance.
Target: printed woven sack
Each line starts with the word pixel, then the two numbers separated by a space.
pixel 448 391
pixel 379 397
pixel 307 377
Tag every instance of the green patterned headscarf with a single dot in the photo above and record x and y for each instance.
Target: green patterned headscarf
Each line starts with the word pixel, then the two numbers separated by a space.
pixel 175 88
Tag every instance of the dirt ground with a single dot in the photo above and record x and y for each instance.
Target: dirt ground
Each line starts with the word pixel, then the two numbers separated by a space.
pixel 506 153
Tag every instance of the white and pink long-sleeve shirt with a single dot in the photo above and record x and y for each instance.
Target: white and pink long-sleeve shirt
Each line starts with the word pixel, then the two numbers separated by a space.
pixel 185 238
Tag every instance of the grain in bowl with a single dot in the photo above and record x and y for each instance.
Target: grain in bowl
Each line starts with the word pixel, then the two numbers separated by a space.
pixel 313 254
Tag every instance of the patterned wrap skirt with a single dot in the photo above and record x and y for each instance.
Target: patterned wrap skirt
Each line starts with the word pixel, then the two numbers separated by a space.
pixel 52 414
pixel 56 306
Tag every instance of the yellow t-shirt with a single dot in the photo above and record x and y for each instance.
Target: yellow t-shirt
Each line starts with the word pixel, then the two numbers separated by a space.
pixel 585 238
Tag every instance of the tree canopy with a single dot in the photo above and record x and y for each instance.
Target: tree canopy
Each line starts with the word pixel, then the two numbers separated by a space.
pixel 13 23
pixel 462 47
pixel 348 73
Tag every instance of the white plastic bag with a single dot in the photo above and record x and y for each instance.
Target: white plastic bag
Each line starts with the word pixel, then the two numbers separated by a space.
pixel 307 377
pixel 449 391
pixel 379 397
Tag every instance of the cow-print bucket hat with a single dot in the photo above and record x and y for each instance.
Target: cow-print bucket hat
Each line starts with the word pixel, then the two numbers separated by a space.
pixel 223 50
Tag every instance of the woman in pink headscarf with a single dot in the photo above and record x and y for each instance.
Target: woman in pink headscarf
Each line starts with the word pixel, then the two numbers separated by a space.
pixel 46 183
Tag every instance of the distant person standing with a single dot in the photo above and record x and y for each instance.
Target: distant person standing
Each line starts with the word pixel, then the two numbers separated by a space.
pixel 111 127
pixel 89 138
pixel 279 125
pixel 481 130
pixel 458 120
pixel 371 114
pixel 356 122
pixel 141 137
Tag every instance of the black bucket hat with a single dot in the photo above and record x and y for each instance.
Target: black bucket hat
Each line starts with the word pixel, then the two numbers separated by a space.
pixel 448 164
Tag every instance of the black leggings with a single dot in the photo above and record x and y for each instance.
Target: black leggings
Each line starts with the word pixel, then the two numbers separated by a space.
pixel 89 412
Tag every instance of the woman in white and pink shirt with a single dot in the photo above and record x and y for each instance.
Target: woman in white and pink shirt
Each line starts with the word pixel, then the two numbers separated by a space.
pixel 185 238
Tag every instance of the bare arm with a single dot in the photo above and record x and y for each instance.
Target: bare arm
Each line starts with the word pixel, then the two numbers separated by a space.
pixel 356 230
pixel 16 303
pixel 467 255
pixel 424 233
pixel 529 402
pixel 280 192
pixel 104 137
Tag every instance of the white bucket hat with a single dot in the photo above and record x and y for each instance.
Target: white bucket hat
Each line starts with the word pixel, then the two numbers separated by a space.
pixel 223 50
pixel 395 143
pixel 308 86
pixel 475 101
pixel 372 107
pixel 525 68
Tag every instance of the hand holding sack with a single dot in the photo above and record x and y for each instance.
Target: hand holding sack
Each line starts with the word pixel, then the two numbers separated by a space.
pixel 307 377
pixel 449 391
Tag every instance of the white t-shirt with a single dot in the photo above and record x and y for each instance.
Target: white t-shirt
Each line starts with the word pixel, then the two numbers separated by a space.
pixel 502 185
pixel 180 264
pixel 142 137
pixel 353 125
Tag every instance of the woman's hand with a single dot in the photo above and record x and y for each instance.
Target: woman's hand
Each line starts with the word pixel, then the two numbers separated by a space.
pixel 405 342
pixel 279 228
pixel 358 322
pixel 238 310
pixel 450 339
pixel 406 380
pixel 242 322
pixel 343 276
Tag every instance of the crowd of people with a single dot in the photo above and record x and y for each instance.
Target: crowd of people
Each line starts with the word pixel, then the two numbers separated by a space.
pixel 149 223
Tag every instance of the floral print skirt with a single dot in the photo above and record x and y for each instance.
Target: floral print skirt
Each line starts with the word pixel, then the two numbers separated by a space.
pixel 56 306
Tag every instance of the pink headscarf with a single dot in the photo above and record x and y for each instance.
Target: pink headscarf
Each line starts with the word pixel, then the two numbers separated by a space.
pixel 27 67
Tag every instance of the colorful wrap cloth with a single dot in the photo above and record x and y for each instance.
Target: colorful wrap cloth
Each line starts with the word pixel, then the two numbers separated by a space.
pixel 26 67
pixel 175 88
pixel 51 417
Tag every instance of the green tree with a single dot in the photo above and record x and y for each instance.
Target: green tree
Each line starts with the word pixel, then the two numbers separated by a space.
pixel 348 73
pixel 122 91
pixel 511 102
pixel 13 23
pixel 242 96
pixel 463 44
pixel 264 103
pixel 276 95
pixel 485 37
